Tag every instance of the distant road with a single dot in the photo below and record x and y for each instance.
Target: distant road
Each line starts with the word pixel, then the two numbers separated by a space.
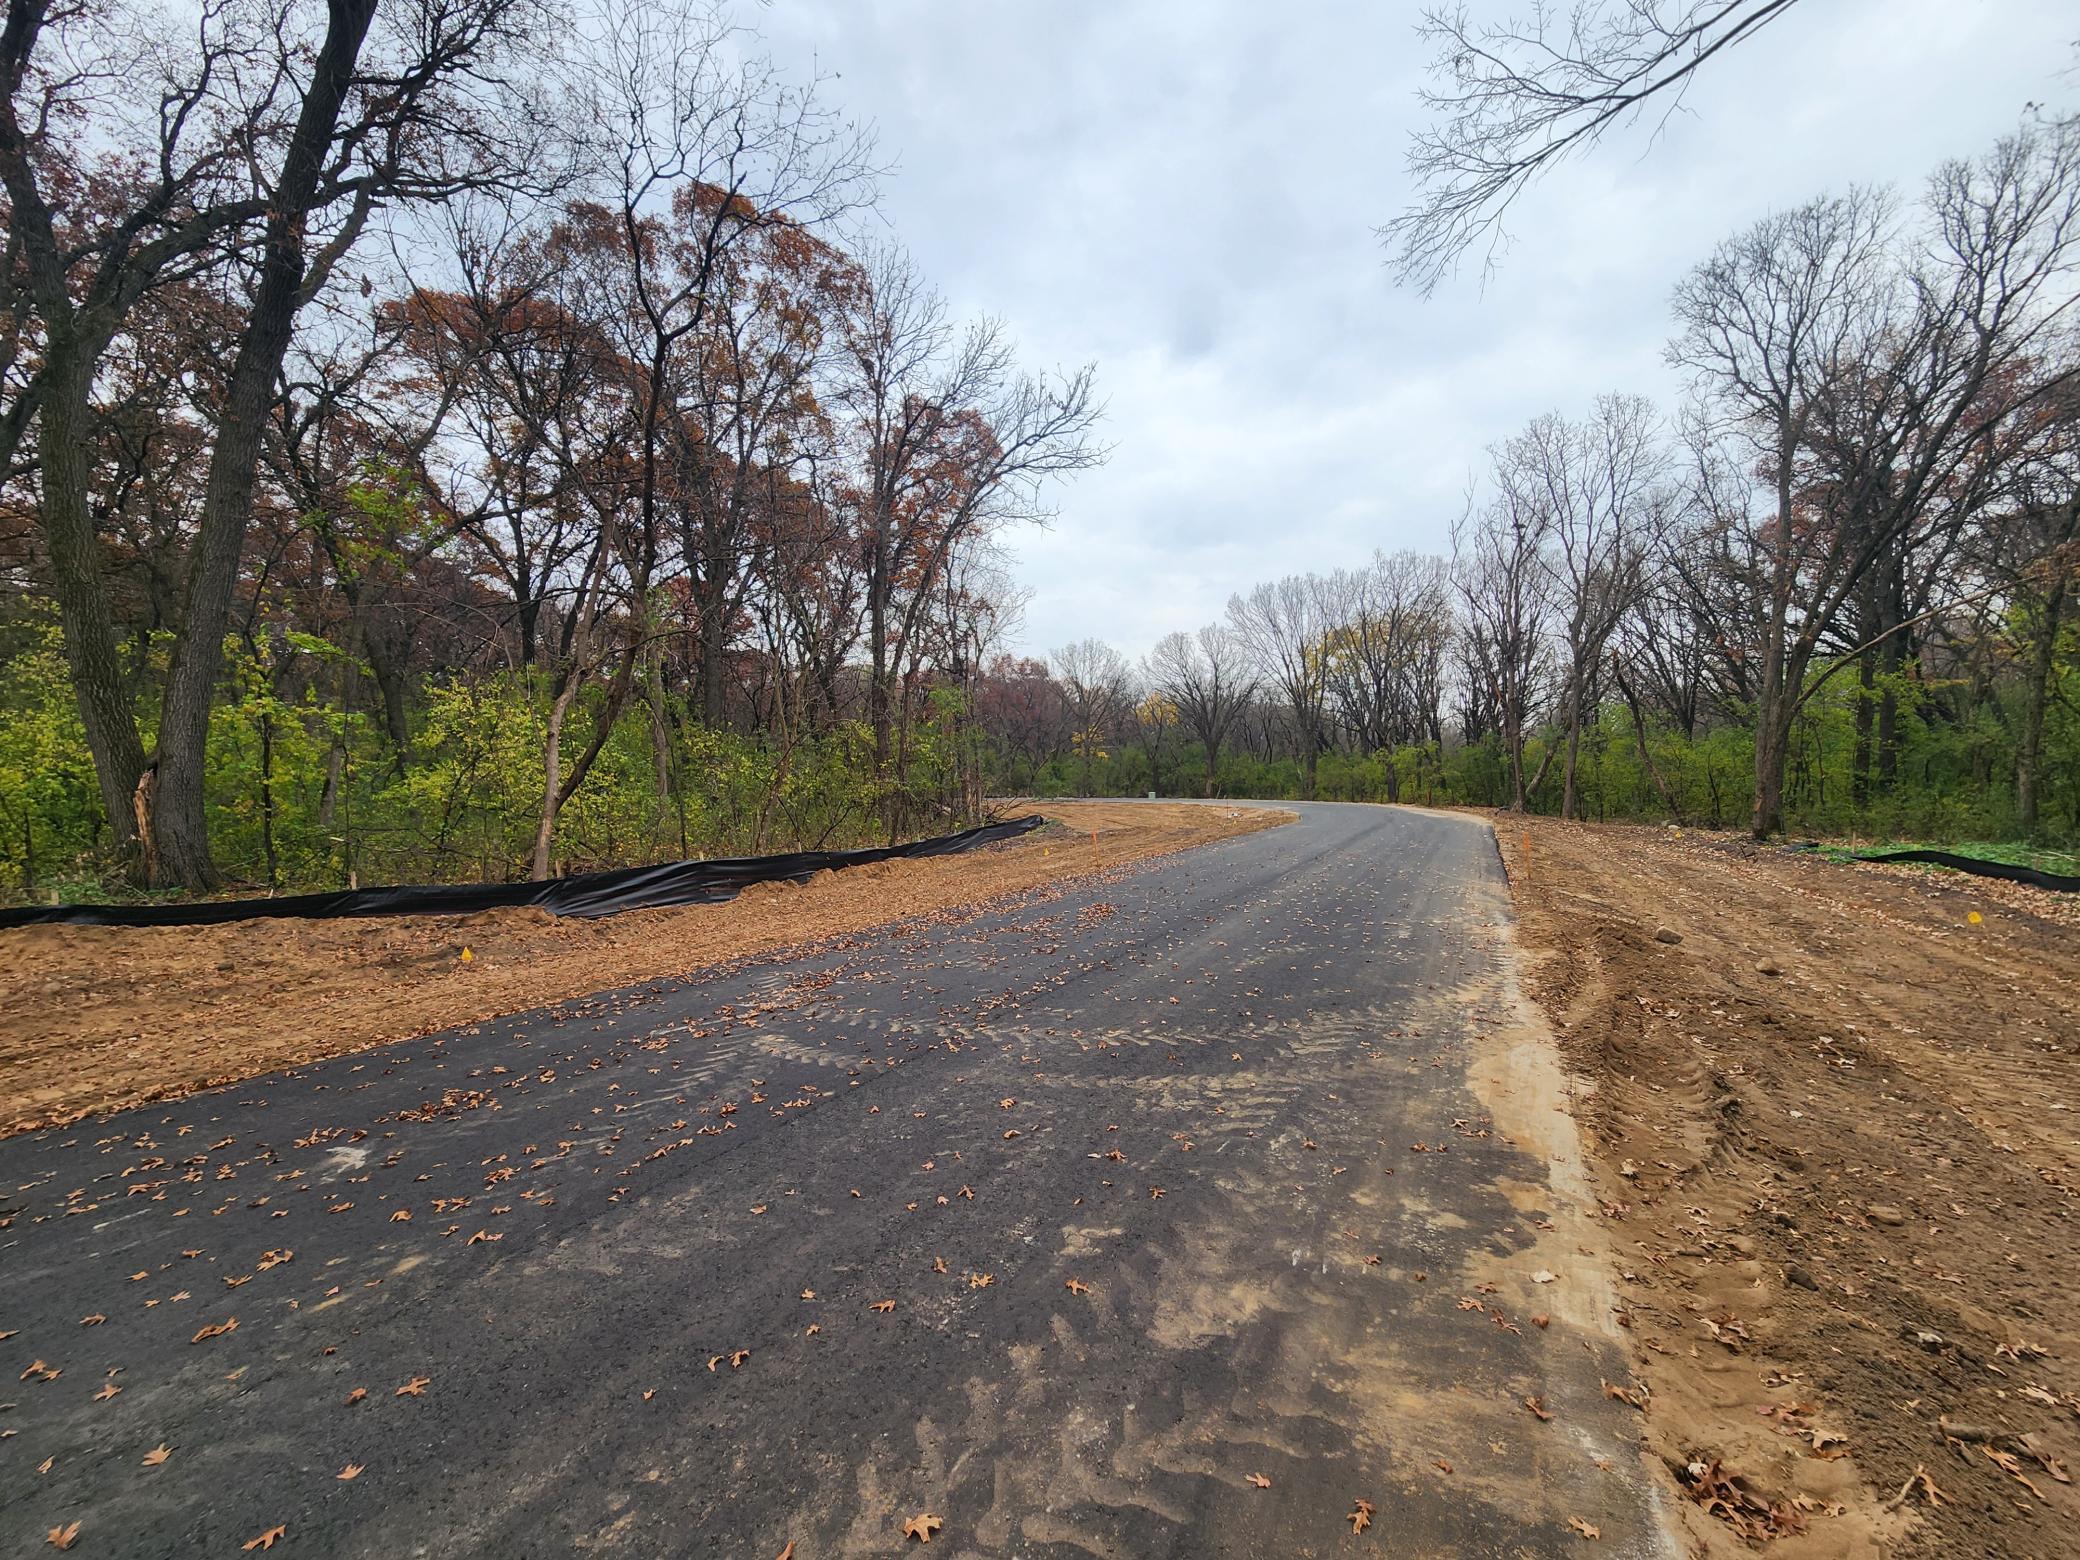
pixel 1235 1167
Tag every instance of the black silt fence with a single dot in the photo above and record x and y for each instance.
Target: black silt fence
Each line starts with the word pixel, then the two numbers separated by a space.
pixel 585 894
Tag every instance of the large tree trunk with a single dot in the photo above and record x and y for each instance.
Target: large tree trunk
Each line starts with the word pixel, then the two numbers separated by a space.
pixel 1860 755
pixel 552 777
pixel 714 637
pixel 63 452
pixel 179 835
pixel 1513 739
pixel 2029 752
pixel 1891 597
pixel 1772 743
pixel 877 682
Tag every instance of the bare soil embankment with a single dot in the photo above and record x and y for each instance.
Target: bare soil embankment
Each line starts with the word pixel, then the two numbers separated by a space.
pixel 1834 1123
pixel 95 1018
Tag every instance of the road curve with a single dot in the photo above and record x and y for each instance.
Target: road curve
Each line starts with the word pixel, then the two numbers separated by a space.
pixel 1212 1196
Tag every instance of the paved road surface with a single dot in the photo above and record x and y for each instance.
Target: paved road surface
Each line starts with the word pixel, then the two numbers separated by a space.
pixel 1233 1167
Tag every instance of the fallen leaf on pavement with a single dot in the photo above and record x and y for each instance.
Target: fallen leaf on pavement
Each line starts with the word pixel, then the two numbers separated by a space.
pixel 351 1471
pixel 416 1387
pixel 1077 1286
pixel 356 1396
pixel 1537 1405
pixel 1260 1481
pixel 922 1526
pixel 882 1305
pixel 157 1455
pixel 265 1540
pixel 62 1537
pixel 108 1390
pixel 1360 1517
pixel 218 1331
pixel 1586 1529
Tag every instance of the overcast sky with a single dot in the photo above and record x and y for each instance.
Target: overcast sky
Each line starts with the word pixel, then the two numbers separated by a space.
pixel 1186 193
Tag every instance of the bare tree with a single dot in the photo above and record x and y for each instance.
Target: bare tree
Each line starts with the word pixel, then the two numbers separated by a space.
pixel 1871 385
pixel 1598 487
pixel 1775 316
pixel 1283 627
pixel 1517 97
pixel 1099 687
pixel 1205 676
pixel 949 439
pixel 1505 591
pixel 269 137
pixel 1386 658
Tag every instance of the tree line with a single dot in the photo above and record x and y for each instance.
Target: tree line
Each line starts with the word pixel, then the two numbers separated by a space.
pixel 473 438
pixel 1833 587
pixel 452 437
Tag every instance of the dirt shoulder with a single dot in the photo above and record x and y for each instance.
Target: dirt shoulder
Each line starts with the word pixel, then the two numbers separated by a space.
pixel 1834 1130
pixel 95 1018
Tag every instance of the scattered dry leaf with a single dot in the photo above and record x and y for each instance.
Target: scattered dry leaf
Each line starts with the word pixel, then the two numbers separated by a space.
pixel 922 1526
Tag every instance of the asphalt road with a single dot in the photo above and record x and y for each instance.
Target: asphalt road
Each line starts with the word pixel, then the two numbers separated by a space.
pixel 1066 1223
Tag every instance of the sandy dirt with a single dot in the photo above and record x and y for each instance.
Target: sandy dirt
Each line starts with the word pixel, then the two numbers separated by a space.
pixel 1833 1125
pixel 95 1018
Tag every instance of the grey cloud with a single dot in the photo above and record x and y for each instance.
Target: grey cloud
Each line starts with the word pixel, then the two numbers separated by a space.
pixel 1186 192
